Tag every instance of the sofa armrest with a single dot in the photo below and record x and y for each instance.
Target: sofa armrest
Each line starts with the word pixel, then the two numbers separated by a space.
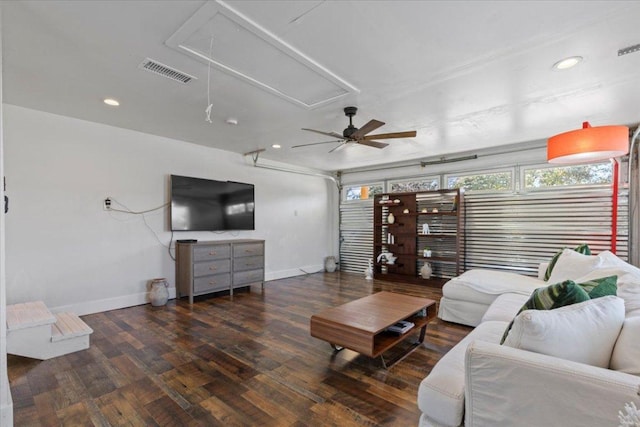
pixel 508 386
pixel 542 270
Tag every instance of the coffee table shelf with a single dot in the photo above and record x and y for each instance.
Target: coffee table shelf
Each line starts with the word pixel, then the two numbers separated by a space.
pixel 361 325
pixel 384 340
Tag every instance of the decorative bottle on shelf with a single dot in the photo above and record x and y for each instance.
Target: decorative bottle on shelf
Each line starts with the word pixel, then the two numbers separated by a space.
pixel 159 294
pixel 391 219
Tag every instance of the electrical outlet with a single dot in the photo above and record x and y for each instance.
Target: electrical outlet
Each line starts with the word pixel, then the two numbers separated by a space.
pixel 107 204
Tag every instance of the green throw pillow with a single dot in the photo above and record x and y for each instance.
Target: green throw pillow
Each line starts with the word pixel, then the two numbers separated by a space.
pixel 581 249
pixel 597 288
pixel 566 293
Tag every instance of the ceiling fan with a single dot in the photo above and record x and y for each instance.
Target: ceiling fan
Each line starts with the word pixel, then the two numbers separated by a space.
pixel 352 134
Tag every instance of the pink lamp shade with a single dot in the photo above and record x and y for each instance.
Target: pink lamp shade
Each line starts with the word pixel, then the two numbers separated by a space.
pixel 588 144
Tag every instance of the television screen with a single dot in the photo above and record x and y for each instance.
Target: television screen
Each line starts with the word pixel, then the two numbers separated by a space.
pixel 207 205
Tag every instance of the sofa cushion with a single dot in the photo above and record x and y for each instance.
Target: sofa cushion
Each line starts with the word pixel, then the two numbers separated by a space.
pixel 565 293
pixel 628 280
pixel 581 249
pixel 441 393
pixel 550 297
pixel 505 307
pixel 585 332
pixel 571 265
pixel 481 285
pixel 626 353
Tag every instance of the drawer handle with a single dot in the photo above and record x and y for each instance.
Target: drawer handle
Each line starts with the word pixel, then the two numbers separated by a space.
pixel 212 268
pixel 248 251
pixel 212 253
pixel 212 282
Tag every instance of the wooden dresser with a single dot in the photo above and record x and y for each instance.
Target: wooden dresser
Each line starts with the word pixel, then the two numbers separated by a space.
pixel 219 265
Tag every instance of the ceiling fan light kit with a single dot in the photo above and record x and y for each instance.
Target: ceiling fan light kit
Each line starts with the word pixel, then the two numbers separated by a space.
pixel 352 134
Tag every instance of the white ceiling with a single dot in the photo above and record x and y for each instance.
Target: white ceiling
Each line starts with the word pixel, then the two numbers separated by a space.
pixel 466 75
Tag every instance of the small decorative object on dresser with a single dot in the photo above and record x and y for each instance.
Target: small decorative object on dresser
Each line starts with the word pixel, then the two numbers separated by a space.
pixel 159 294
pixel 426 253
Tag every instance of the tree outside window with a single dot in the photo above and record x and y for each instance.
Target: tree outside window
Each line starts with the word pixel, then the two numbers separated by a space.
pixel 592 174
pixel 415 185
pixel 497 181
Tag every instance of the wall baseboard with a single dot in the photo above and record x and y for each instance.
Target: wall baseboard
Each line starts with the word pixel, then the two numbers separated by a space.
pixel 283 274
pixel 98 306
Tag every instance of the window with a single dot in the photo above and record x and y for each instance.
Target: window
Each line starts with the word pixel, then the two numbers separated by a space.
pixel 361 192
pixel 496 181
pixel 566 176
pixel 416 184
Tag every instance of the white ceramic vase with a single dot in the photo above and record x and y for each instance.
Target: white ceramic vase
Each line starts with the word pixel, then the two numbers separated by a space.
pixel 330 264
pixel 391 219
pixel 159 294
pixel 426 271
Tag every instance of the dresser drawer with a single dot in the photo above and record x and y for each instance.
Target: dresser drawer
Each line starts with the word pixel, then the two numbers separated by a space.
pixel 248 249
pixel 248 263
pixel 251 276
pixel 218 282
pixel 205 253
pixel 211 267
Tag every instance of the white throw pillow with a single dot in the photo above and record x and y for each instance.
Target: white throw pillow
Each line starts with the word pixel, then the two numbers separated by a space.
pixel 585 332
pixel 626 353
pixel 571 265
pixel 628 280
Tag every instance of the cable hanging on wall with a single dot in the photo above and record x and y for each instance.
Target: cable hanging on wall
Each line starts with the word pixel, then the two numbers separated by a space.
pixel 209 103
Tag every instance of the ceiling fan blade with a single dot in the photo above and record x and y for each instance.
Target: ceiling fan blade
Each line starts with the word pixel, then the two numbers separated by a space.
pixel 408 134
pixel 369 127
pixel 338 147
pixel 333 134
pixel 317 143
pixel 370 143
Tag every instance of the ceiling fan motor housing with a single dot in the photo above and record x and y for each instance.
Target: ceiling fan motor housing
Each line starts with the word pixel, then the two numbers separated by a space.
pixel 349 112
pixel 349 131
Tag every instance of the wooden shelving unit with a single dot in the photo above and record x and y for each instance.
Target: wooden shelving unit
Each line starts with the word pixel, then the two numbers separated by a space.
pixel 442 211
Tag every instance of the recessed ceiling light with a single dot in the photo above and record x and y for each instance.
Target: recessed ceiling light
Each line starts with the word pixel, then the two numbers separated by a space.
pixel 276 146
pixel 231 121
pixel 112 102
pixel 567 63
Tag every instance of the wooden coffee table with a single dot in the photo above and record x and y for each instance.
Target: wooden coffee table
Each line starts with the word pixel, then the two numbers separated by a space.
pixel 361 325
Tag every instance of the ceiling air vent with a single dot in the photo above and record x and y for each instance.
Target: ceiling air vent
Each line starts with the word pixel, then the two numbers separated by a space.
pixel 166 71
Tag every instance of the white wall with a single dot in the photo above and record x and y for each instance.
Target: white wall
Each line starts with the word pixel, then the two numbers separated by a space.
pixel 6 402
pixel 64 249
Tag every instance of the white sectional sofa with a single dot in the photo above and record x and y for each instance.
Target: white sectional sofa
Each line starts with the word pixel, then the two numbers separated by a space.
pixel 571 366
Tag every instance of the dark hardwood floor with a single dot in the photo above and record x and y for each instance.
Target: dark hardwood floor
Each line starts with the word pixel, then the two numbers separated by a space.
pixel 246 362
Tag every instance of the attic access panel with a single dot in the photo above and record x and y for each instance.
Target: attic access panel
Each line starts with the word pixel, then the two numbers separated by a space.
pixel 242 48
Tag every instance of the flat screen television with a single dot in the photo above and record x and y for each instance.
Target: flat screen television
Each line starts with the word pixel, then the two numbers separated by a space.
pixel 206 205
